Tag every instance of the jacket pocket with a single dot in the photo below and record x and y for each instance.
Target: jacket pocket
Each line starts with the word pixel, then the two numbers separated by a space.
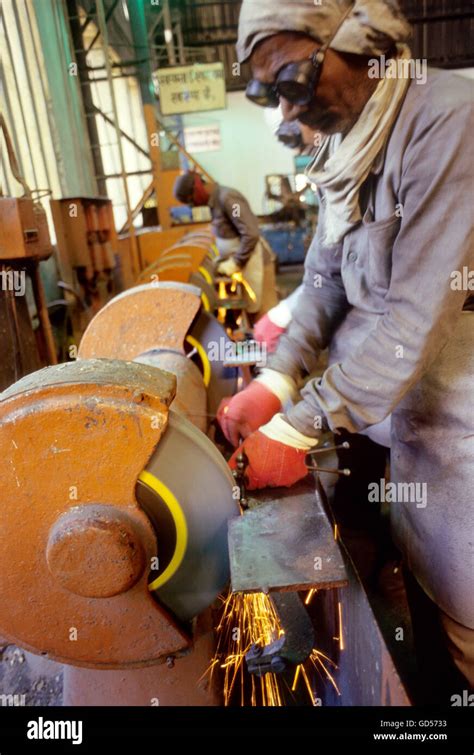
pixel 381 235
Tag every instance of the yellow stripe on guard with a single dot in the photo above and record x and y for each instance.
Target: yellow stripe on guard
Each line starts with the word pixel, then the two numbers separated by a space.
pixel 206 365
pixel 205 274
pixel 205 302
pixel 213 253
pixel 179 522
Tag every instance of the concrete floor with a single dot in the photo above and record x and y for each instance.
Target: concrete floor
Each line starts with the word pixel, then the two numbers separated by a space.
pixel 27 679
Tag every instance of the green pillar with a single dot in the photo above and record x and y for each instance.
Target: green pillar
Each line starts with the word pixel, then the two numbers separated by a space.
pixel 70 130
pixel 138 27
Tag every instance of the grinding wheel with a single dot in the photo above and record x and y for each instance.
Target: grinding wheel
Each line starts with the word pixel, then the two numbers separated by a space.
pixel 209 333
pixel 186 491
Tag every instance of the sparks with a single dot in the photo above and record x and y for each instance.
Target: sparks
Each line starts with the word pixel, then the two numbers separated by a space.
pixel 248 619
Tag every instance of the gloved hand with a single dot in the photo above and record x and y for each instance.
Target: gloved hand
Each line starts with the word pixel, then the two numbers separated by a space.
pixel 265 331
pixel 275 455
pixel 228 267
pixel 246 411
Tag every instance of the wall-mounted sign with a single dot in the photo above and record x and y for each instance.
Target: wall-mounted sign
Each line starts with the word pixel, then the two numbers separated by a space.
pixel 191 89
pixel 202 138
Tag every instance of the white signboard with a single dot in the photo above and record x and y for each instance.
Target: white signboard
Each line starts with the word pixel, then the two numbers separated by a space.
pixel 191 89
pixel 202 138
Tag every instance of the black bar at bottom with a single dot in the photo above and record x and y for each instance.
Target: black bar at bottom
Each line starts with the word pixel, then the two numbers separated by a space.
pixel 46 729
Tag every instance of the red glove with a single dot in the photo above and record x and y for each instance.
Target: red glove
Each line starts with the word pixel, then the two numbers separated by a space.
pixel 247 411
pixel 270 463
pixel 265 331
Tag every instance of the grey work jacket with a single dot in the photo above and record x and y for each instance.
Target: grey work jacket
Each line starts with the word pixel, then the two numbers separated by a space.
pixel 388 301
pixel 232 218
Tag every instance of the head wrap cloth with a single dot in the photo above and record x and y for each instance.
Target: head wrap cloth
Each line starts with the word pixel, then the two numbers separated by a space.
pixel 371 29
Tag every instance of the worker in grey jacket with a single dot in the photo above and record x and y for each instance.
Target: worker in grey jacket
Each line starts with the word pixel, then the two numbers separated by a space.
pixel 237 233
pixel 386 286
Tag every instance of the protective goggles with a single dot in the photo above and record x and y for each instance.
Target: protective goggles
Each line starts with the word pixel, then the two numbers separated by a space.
pixel 296 82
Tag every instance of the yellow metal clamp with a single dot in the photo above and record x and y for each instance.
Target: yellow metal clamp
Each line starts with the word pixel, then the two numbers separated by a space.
pixel 239 278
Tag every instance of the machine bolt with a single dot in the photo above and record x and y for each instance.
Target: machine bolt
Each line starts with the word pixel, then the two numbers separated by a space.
pixel 95 551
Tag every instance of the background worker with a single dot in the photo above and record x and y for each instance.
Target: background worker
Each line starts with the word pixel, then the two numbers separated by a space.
pixel 237 235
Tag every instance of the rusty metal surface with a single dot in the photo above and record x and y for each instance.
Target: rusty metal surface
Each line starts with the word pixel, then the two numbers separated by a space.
pixel 23 229
pixel 196 251
pixel 43 315
pixel 181 681
pixel 95 551
pixel 191 256
pixel 18 344
pixel 167 273
pixel 137 378
pixel 285 544
pixel 78 435
pixel 191 398
pixel 142 318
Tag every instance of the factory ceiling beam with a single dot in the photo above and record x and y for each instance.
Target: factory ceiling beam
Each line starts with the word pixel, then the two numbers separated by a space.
pixel 102 23
pixel 81 58
pixel 107 16
pixel 89 18
pixel 154 26
pixel 117 22
pixel 123 133
pixel 168 32
pixel 140 40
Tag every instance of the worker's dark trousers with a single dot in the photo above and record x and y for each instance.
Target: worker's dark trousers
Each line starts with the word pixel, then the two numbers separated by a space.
pixel 444 648
pixel 439 642
pixel 360 523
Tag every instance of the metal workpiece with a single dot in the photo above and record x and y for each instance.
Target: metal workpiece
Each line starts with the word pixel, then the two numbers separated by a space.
pixel 285 543
pixel 291 648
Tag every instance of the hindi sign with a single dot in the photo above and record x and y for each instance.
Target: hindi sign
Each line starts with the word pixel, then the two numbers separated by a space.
pixel 191 89
pixel 202 138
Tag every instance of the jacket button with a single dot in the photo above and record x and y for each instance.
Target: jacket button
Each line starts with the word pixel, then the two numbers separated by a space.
pixel 352 256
